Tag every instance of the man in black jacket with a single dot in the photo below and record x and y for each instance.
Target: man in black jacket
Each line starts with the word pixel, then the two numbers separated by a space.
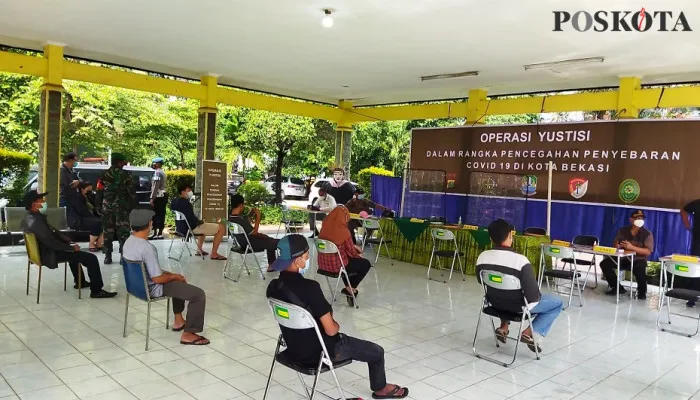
pixel 55 247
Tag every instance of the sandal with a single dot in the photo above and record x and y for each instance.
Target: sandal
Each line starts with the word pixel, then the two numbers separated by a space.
pixel 222 258
pixel 92 249
pixel 392 394
pixel 202 253
pixel 530 342
pixel 178 329
pixel 345 292
pixel 200 341
pixel 501 335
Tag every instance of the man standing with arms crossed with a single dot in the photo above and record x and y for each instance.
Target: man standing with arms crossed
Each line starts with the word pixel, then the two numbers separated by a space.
pixel 118 201
pixel 692 208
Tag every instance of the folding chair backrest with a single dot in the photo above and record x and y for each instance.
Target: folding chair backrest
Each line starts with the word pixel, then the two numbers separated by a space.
pixel 442 234
pixel 370 224
pixel 533 230
pixel 585 240
pixel 179 216
pixel 684 269
pixel 236 229
pixel 326 247
pixel 551 250
pixel 135 279
pixel 32 247
pixel 500 280
pixel 291 316
pixel 13 218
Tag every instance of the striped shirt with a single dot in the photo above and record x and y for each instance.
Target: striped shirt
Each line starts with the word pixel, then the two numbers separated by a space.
pixel 507 261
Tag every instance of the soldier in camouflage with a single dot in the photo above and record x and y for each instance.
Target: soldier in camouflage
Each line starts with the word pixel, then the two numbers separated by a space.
pixel 119 198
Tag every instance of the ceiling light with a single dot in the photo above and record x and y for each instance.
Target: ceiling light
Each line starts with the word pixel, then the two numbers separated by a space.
pixel 564 63
pixel 327 20
pixel 448 76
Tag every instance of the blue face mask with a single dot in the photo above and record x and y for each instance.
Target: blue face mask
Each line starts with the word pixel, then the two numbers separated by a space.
pixel 360 196
pixel 43 207
pixel 307 264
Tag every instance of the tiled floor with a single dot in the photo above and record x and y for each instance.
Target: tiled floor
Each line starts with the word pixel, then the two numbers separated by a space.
pixel 65 348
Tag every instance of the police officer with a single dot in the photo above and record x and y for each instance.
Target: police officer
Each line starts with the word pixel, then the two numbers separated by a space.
pixel 119 198
pixel 159 198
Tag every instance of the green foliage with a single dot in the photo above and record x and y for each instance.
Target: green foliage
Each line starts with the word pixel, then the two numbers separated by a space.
pixel 14 169
pixel 254 193
pixel 19 113
pixel 175 178
pixel 364 177
pixel 272 215
pixel 254 174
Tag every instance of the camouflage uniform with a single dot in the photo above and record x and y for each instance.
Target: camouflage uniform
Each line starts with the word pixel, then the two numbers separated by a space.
pixel 118 201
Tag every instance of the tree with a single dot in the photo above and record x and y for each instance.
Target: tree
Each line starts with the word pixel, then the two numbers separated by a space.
pixel 275 133
pixel 19 113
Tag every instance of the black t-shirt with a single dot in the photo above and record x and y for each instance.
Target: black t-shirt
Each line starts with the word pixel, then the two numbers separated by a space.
pixel 185 207
pixel 303 345
pixel 342 194
pixel 694 208
pixel 245 224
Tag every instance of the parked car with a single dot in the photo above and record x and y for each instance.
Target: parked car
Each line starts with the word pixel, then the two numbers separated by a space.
pixel 91 172
pixel 235 182
pixel 291 187
pixel 313 195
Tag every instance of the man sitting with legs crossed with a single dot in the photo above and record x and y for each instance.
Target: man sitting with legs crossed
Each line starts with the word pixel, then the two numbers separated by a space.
pixel 163 283
pixel 502 258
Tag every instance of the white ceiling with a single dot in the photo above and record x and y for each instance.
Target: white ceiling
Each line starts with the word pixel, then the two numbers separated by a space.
pixel 379 48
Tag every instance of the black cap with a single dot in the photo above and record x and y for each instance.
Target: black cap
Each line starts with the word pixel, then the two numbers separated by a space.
pixel 290 247
pixel 637 214
pixel 69 156
pixel 499 230
pixel 30 197
pixel 359 190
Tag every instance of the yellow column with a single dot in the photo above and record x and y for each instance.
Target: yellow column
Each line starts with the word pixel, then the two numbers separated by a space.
pixel 476 107
pixel 50 121
pixel 626 100
pixel 206 126
pixel 343 138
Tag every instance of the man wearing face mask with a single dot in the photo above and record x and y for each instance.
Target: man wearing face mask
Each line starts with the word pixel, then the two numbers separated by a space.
pixel 325 203
pixel 303 345
pixel 634 238
pixel 118 199
pixel 183 204
pixel 341 190
pixel 56 248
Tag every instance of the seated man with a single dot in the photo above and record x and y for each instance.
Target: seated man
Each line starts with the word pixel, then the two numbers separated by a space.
pixel 324 203
pixel 203 229
pixel 358 204
pixel 258 241
pixel 303 346
pixel 55 247
pixel 544 308
pixel 633 238
pixel 163 283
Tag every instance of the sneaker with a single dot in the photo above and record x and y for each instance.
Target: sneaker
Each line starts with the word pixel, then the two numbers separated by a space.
pixel 612 292
pixel 690 304
pixel 108 259
pixel 102 294
pixel 84 285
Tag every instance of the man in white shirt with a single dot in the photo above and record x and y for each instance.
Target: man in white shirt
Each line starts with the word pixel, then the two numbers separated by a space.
pixel 163 283
pixel 325 203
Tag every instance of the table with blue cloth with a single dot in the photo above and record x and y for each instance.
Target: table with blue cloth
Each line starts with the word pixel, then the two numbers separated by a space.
pixel 412 242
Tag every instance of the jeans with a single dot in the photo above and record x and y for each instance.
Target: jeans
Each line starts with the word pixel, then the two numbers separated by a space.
pixel 357 270
pixel 89 261
pixel 544 313
pixel 181 292
pixel 349 347
pixel 609 268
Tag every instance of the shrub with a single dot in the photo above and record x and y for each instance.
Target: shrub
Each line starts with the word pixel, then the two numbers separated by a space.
pixel 272 215
pixel 175 178
pixel 254 193
pixel 364 177
pixel 254 174
pixel 14 171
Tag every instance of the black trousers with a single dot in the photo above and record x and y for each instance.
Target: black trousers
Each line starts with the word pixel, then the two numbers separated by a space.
pixel 609 268
pixel 349 347
pixel 89 261
pixel 159 204
pixel 264 243
pixel 357 270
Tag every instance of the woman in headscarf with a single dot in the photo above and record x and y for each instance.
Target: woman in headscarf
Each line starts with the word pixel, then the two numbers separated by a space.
pixel 335 229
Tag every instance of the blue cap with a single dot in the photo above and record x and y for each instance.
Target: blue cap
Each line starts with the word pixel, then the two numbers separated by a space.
pixel 290 247
pixel 158 160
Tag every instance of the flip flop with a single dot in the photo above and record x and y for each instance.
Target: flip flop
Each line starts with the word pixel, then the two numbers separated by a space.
pixel 199 254
pixel 393 394
pixel 501 335
pixel 178 329
pixel 530 342
pixel 200 341
pixel 222 258
pixel 93 250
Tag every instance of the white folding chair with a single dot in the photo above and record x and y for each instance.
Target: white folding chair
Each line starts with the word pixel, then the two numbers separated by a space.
pixel 371 226
pixel 494 282
pixel 442 237
pixel 290 225
pixel 682 269
pixel 186 236
pixel 327 247
pixel 242 249
pixel 568 272
pixel 293 317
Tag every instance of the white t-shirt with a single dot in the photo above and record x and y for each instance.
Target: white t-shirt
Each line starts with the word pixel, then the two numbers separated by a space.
pixel 326 204
pixel 141 250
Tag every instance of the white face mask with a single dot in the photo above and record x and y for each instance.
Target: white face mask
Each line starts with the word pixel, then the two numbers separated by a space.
pixel 639 223
pixel 307 264
pixel 190 195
